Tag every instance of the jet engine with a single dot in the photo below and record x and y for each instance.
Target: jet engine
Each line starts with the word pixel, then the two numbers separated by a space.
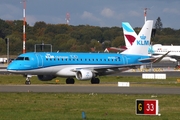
pixel 84 74
pixel 46 77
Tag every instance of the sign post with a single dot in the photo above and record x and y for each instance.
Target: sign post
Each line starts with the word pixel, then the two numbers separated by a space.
pixel 147 107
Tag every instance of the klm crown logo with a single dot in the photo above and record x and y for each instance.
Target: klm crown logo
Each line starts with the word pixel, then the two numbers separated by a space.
pixel 143 41
pixel 143 37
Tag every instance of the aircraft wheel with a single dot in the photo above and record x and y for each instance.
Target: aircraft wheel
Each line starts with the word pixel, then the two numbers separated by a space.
pixel 69 81
pixel 27 82
pixel 95 81
pixel 72 81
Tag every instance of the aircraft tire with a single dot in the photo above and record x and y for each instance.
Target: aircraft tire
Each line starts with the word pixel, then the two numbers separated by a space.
pixel 70 81
pixel 95 81
pixel 27 82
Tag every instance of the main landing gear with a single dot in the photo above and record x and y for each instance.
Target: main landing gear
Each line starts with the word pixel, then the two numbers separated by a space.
pixel 28 82
pixel 93 81
pixel 70 81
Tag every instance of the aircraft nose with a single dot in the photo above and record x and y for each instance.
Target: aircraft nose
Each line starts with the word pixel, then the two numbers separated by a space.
pixel 11 66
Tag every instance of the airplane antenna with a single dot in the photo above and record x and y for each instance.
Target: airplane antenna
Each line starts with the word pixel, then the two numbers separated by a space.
pixel 24 23
pixel 67 18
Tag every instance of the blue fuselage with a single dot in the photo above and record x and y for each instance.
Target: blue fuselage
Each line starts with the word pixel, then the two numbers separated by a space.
pixel 67 64
pixel 33 60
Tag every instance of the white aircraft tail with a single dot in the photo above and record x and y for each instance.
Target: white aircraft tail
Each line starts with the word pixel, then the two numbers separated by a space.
pixel 142 41
pixel 129 34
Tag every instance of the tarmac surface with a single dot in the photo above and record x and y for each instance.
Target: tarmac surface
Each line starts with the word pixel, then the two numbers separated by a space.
pixel 89 89
pixel 101 88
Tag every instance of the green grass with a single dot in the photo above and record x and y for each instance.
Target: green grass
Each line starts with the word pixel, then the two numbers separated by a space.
pixel 67 106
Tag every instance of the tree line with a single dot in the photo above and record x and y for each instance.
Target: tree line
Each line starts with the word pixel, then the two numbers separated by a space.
pixel 69 38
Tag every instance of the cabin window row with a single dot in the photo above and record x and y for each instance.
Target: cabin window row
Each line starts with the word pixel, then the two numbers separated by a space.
pixel 166 51
pixel 82 59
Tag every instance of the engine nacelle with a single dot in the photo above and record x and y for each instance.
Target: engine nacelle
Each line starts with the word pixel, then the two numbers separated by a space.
pixel 46 77
pixel 84 74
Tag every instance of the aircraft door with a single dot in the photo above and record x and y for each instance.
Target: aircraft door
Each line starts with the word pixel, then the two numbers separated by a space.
pixel 125 60
pixel 39 60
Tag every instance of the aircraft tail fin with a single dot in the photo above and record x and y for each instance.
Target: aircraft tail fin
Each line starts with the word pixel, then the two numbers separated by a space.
pixel 129 34
pixel 142 41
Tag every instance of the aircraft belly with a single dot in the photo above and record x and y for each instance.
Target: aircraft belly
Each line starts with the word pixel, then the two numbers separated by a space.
pixel 65 72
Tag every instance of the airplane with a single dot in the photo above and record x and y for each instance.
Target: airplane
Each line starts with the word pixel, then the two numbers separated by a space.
pixel 174 55
pixel 83 66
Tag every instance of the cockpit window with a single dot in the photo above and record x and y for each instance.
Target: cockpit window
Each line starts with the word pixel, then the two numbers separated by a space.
pixel 26 58
pixel 22 58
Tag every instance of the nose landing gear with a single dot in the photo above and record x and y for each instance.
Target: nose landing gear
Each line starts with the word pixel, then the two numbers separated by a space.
pixel 28 82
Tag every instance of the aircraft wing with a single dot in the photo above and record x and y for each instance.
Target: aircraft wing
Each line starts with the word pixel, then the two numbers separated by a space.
pixel 129 66
pixel 147 60
pixel 160 58
pixel 153 59
pixel 110 69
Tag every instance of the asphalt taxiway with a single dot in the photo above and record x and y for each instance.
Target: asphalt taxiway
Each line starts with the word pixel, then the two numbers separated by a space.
pixel 89 89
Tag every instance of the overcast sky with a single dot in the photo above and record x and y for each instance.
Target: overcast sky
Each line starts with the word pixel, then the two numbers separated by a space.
pixel 103 13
